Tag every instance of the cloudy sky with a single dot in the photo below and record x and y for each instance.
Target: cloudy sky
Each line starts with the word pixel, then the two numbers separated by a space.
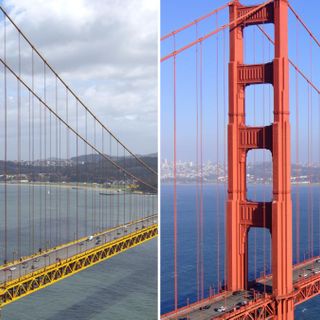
pixel 107 52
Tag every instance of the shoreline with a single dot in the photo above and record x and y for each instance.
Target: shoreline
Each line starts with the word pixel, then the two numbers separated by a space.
pixel 170 183
pixel 66 185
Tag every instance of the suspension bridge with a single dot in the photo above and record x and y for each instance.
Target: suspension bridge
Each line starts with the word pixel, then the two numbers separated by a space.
pixel 72 194
pixel 243 239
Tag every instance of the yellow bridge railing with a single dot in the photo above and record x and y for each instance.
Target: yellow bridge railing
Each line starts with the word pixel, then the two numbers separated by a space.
pixel 15 289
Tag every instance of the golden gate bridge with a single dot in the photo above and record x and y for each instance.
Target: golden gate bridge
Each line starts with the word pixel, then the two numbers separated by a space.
pixel 72 194
pixel 236 107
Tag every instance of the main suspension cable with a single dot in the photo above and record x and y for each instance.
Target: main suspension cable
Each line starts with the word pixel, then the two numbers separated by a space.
pixel 34 50
pixel 108 158
pixel 233 23
pixel 304 25
pixel 195 22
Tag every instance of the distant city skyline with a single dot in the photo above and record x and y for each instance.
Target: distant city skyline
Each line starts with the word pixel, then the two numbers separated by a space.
pixel 212 172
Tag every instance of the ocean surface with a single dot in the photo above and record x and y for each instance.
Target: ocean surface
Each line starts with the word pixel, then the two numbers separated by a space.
pixel 122 287
pixel 214 196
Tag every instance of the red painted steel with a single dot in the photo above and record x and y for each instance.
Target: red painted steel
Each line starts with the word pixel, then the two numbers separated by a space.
pixel 241 213
pixel 194 22
pixel 263 306
pixel 234 23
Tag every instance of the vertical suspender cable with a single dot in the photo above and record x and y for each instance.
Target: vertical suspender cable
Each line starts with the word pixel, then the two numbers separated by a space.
pixel 264 172
pixel 319 162
pixel 56 167
pixel 197 171
pixel 77 171
pixel 19 155
pixel 50 179
pixel 224 140
pixel 311 152
pixel 118 187
pixel 175 226
pixel 110 181
pixel 270 121
pixel 33 154
pixel 40 188
pixel 94 165
pixel 45 154
pixel 297 153
pixel 86 178
pixel 92 168
pixel 60 182
pixel 254 156
pixel 29 185
pixel 124 186
pixel 102 183
pixel 5 148
pixel 201 175
pixel 308 165
pixel 68 158
pixel 217 158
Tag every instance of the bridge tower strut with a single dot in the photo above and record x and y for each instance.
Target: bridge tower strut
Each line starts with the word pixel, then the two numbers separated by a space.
pixel 243 214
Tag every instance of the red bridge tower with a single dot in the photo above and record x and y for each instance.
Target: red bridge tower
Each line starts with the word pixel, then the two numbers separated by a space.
pixel 241 213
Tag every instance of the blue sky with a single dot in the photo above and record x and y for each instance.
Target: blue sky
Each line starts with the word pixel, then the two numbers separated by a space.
pixel 259 103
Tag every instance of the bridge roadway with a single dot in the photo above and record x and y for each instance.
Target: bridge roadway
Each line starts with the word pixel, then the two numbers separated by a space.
pixel 28 265
pixel 208 308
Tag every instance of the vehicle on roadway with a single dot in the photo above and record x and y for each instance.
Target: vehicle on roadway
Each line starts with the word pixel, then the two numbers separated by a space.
pixel 206 307
pixel 304 275
pixel 90 238
pixel 220 309
pixel 241 304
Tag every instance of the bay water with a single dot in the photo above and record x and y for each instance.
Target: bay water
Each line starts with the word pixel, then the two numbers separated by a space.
pixel 214 200
pixel 122 287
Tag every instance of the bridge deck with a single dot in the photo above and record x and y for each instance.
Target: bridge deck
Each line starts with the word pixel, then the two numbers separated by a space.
pixel 208 308
pixel 23 277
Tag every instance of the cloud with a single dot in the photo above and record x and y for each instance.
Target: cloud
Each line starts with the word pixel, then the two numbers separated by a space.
pixel 107 53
